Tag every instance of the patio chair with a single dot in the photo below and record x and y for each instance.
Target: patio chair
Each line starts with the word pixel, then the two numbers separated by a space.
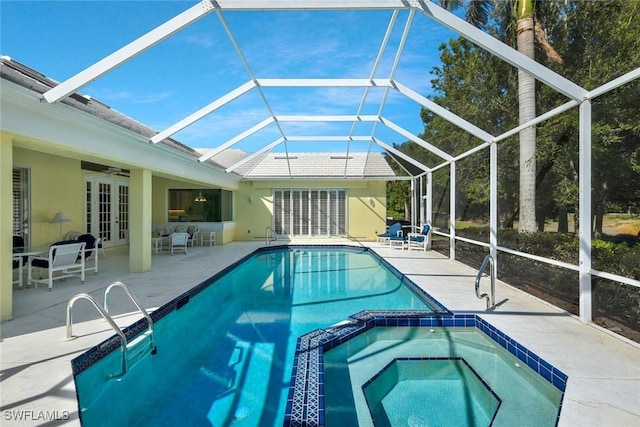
pixel 63 257
pixel 194 232
pixel 18 264
pixel 421 240
pixel 73 235
pixel 91 248
pixel 179 242
pixel 17 260
pixel 394 230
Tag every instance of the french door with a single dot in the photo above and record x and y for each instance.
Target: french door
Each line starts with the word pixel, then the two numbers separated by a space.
pixel 310 212
pixel 107 210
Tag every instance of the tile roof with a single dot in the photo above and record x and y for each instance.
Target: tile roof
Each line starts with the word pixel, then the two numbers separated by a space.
pixel 309 165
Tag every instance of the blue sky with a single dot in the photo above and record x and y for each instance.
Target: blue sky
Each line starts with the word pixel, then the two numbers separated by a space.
pixel 200 64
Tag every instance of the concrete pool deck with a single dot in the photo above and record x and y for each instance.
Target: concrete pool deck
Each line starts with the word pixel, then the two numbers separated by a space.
pixel 36 382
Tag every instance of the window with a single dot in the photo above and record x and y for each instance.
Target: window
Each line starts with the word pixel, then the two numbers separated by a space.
pixel 207 205
pixel 21 202
pixel 310 212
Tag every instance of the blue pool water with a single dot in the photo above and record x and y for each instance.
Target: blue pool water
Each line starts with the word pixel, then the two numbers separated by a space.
pixel 225 356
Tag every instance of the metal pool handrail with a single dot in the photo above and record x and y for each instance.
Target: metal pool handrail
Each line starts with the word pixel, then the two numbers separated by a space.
pixel 124 345
pixel 105 315
pixel 491 300
pixel 133 298
pixel 274 235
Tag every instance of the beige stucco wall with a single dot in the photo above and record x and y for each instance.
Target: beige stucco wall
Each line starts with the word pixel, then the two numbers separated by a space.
pixel 253 209
pixel 367 210
pixel 56 186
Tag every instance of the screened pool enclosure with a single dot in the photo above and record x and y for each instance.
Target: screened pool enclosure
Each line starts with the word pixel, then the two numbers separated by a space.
pixel 469 190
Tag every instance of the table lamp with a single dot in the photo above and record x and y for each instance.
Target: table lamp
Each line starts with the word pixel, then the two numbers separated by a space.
pixel 59 218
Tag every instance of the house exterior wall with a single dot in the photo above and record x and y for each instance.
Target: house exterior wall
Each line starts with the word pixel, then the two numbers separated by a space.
pixel 56 185
pixel 254 206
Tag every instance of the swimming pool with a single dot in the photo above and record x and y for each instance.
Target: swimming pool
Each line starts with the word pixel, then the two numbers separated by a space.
pixel 226 348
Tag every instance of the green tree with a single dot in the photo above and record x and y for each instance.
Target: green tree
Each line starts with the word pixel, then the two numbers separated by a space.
pixel 527 32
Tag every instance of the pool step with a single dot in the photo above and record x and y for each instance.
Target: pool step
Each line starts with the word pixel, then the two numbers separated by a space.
pixel 139 347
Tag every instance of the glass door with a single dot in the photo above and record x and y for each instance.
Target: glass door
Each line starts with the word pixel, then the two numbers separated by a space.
pixel 107 210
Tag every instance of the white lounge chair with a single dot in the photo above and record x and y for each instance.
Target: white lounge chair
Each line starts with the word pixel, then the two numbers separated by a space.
pixel 63 257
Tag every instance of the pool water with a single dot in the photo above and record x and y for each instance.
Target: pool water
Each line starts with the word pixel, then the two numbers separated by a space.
pixel 526 398
pixel 410 391
pixel 225 357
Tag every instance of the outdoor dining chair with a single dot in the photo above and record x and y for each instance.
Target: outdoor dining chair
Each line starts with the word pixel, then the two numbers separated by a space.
pixel 179 241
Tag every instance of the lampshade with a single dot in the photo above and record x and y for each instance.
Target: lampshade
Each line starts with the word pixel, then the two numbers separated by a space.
pixel 60 217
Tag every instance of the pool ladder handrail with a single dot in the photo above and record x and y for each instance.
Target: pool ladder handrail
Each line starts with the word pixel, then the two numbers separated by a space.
pixel 133 298
pixel 105 314
pixel 491 300
pixel 274 235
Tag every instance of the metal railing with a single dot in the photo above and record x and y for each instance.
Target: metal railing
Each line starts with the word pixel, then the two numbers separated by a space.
pixel 105 315
pixel 133 298
pixel 124 345
pixel 269 231
pixel 491 300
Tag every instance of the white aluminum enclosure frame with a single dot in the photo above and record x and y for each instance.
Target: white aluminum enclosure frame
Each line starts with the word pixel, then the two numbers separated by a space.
pixel 578 97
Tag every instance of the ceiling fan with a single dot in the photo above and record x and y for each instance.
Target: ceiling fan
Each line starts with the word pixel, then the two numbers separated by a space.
pixel 116 171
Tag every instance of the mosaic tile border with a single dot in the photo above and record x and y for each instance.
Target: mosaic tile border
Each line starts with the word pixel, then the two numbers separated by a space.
pixel 305 402
pixel 100 351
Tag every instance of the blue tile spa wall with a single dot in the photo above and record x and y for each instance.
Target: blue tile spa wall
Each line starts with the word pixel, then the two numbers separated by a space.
pixel 305 402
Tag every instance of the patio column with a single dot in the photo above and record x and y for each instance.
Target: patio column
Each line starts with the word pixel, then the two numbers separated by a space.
pixel 452 211
pixel 6 227
pixel 429 200
pixel 140 187
pixel 584 232
pixel 493 204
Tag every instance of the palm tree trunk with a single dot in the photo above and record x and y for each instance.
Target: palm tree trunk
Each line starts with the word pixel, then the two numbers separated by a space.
pixel 527 105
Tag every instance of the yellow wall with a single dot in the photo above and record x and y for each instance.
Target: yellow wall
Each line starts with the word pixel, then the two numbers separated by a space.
pixel 367 210
pixel 254 206
pixel 159 203
pixel 6 222
pixel 56 186
pixel 253 210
